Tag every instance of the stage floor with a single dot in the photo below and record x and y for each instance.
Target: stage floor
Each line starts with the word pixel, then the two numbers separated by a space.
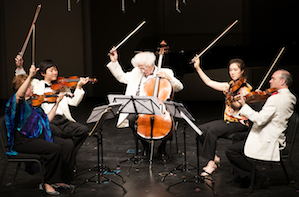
pixel 146 182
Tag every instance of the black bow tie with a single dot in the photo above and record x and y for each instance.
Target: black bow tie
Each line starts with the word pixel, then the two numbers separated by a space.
pixel 47 86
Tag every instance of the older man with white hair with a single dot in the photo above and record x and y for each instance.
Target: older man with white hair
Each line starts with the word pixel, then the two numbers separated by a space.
pixel 144 69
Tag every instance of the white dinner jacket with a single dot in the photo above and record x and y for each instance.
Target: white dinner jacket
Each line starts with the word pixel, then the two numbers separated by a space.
pixel 266 136
pixel 132 79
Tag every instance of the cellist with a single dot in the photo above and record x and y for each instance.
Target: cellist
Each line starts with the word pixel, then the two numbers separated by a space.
pixel 232 121
pixel 144 69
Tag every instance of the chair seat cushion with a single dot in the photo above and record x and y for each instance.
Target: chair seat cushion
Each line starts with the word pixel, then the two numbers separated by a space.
pixel 24 156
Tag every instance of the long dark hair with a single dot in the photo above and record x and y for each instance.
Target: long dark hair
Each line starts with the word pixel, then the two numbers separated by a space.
pixel 241 65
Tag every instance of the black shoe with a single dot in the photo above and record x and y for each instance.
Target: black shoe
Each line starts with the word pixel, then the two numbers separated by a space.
pixel 245 182
pixel 63 186
pixel 261 180
pixel 236 179
pixel 163 157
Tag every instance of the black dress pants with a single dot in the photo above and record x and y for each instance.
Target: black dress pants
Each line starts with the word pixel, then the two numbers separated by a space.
pixel 214 130
pixel 64 128
pixel 235 154
pixel 59 156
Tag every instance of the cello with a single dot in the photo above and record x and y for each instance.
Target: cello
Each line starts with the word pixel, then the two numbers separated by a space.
pixel 155 127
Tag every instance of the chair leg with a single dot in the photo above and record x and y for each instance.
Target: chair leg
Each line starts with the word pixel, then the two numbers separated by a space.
pixel 176 137
pixel 170 147
pixel 41 171
pixel 253 177
pixel 285 171
pixel 15 176
pixel 294 170
pixel 3 172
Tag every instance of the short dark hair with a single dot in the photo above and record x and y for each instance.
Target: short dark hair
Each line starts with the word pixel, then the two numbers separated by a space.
pixel 45 64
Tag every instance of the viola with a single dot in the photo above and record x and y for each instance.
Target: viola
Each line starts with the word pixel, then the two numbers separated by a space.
pixel 71 82
pixel 46 97
pixel 156 126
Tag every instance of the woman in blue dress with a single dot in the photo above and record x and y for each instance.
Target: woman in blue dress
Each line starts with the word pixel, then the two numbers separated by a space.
pixel 28 131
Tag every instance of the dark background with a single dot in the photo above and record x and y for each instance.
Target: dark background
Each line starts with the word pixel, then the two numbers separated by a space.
pixel 78 41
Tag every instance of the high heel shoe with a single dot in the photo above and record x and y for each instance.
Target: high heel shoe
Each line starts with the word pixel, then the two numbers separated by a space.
pixel 217 161
pixel 209 169
pixel 54 193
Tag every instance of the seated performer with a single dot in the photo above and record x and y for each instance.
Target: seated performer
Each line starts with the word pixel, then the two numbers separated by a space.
pixel 232 121
pixel 63 125
pixel 266 136
pixel 28 131
pixel 144 69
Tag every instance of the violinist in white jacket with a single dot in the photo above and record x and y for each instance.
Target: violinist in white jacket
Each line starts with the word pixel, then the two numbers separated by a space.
pixel 266 137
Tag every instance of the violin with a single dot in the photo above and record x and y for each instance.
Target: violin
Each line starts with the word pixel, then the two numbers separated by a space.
pixel 233 90
pixel 47 97
pixel 70 83
pixel 254 96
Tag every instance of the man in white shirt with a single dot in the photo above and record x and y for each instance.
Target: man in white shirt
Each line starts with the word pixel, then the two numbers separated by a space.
pixel 266 137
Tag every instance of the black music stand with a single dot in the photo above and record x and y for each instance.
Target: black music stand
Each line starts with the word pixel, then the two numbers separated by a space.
pixel 134 105
pixel 174 109
pixel 178 110
pixel 99 115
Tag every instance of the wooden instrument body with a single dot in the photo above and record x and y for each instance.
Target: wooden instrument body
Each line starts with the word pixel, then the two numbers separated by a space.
pixel 254 97
pixel 150 126
pixel 39 99
pixel 70 83
pixel 156 126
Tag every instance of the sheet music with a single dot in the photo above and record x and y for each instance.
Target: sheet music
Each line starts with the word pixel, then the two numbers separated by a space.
pixel 96 113
pixel 136 104
pixel 194 127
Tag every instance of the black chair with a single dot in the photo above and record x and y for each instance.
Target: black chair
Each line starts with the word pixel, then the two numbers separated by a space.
pixel 19 158
pixel 285 154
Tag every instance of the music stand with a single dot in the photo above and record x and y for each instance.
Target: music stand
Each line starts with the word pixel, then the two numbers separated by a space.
pixel 132 106
pixel 99 115
pixel 178 110
pixel 174 109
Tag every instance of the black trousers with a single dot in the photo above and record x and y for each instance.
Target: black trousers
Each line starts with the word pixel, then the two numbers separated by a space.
pixel 235 154
pixel 59 156
pixel 64 128
pixel 214 130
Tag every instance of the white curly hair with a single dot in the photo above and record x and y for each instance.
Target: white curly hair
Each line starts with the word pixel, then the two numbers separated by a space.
pixel 143 58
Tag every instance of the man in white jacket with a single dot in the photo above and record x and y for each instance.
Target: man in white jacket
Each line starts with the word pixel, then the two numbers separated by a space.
pixel 144 69
pixel 266 137
pixel 63 125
